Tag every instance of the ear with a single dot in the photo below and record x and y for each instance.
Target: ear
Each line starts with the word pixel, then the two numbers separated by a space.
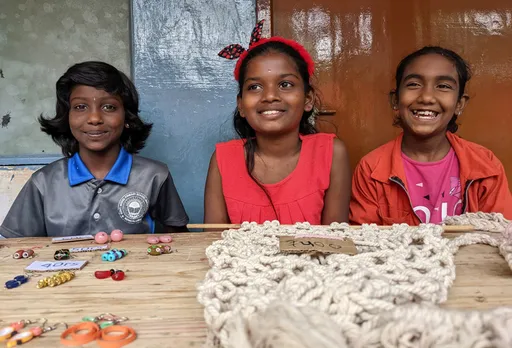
pixel 461 104
pixel 310 101
pixel 239 106
pixel 393 99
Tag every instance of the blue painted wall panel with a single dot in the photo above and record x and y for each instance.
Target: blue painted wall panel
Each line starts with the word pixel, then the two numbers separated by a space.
pixel 186 90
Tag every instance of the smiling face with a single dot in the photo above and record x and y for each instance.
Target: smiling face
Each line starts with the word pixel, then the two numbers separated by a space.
pixel 96 118
pixel 428 96
pixel 273 98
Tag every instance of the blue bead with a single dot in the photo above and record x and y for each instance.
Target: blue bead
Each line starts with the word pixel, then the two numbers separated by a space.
pixel 111 257
pixel 11 284
pixel 21 278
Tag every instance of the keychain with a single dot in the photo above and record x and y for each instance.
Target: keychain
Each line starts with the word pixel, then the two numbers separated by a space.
pixel 26 336
pixel 11 330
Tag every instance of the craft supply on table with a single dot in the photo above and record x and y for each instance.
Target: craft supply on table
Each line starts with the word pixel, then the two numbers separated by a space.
pixel 114 255
pixel 23 254
pixel 114 274
pixel 72 238
pixel 56 279
pixel 52 266
pixel 106 319
pixel 101 238
pixel 159 239
pixel 116 235
pixel 62 254
pixel 11 330
pixel 25 336
pixel 17 281
pixel 155 250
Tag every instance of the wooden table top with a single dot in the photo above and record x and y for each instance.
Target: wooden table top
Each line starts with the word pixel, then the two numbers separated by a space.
pixel 159 293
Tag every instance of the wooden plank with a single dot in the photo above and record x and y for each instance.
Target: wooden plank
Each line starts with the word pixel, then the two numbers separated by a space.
pixel 159 292
pixel 449 228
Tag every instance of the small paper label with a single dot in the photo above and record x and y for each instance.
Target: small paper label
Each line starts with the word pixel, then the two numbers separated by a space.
pixel 309 244
pixel 72 238
pixel 87 249
pixel 51 266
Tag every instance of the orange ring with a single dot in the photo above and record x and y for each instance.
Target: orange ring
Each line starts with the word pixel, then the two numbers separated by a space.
pixel 125 332
pixel 80 339
pixel 116 341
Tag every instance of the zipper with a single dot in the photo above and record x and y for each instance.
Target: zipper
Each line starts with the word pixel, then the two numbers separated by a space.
pixel 466 189
pixel 399 182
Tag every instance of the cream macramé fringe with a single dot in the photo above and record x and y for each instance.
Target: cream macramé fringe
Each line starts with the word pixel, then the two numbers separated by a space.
pixel 385 296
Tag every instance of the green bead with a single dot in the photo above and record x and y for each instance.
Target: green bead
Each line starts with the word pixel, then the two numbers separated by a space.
pixel 93 319
pixel 105 324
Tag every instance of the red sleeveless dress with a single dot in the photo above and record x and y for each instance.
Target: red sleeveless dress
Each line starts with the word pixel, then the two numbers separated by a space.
pixel 297 198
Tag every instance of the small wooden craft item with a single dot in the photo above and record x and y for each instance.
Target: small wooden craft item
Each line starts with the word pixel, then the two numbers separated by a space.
pixel 300 244
pixel 72 238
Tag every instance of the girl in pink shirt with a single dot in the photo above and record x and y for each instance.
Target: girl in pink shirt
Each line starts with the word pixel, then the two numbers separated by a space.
pixel 280 168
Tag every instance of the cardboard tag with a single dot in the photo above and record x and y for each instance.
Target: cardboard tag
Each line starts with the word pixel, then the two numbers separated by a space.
pixel 87 249
pixel 72 238
pixel 317 244
pixel 51 266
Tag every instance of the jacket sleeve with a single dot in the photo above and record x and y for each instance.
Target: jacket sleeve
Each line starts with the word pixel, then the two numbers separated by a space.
pixel 364 207
pixel 495 196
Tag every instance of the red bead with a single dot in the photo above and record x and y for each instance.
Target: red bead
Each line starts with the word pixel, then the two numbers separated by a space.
pixel 119 275
pixel 18 254
pixel 102 274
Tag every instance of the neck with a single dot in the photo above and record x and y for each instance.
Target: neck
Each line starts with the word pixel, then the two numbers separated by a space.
pixel 278 146
pixel 426 150
pixel 100 163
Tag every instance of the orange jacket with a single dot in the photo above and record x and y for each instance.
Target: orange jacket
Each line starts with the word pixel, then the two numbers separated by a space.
pixel 379 188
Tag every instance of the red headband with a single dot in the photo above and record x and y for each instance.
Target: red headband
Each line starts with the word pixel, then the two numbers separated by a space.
pixel 235 51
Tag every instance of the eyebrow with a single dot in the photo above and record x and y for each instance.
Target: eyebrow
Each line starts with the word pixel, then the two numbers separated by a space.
pixel 440 77
pixel 100 99
pixel 282 76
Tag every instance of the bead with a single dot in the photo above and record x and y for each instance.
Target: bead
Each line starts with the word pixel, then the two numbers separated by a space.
pixel 153 240
pixel 101 237
pixel 165 239
pixel 18 254
pixel 119 275
pixel 166 249
pixel 93 319
pixel 11 284
pixel 21 278
pixel 155 250
pixel 116 235
pixel 17 326
pixel 62 254
pixel 37 331
pixel 102 274
pixel 106 324
pixel 28 253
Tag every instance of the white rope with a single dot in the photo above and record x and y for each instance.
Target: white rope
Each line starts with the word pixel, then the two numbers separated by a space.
pixel 393 268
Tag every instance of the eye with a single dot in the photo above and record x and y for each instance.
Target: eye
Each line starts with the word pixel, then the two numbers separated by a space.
pixel 445 86
pixel 80 107
pixel 253 87
pixel 286 84
pixel 412 84
pixel 109 107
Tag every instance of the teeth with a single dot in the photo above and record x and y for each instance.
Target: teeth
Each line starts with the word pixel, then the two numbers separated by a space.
pixel 428 113
pixel 271 112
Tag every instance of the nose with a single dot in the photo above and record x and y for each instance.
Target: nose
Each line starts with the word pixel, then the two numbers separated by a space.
pixel 95 116
pixel 271 94
pixel 427 95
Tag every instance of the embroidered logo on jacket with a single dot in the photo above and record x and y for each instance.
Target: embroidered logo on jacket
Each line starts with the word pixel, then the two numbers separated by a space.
pixel 132 207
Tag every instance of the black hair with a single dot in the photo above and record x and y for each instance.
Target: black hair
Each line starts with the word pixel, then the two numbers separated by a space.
pixel 462 67
pixel 102 76
pixel 242 127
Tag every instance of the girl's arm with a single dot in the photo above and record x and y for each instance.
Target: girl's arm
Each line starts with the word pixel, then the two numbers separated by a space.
pixel 215 210
pixel 337 196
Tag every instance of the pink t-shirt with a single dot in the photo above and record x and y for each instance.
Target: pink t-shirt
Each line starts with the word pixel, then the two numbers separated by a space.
pixel 434 187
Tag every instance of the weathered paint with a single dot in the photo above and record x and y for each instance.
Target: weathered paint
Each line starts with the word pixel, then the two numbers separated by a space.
pixel 187 91
pixel 39 40
pixel 12 180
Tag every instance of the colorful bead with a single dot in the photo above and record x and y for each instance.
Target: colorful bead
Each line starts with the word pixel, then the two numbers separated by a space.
pixel 55 280
pixel 103 274
pixel 165 239
pixel 114 255
pixel 62 254
pixel 155 250
pixel 153 240
pixel 18 254
pixel 118 275
pixel 21 278
pixel 101 237
pixel 11 284
pixel 28 253
pixel 116 235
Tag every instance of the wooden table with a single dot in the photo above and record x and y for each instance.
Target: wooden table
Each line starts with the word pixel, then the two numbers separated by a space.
pixel 159 292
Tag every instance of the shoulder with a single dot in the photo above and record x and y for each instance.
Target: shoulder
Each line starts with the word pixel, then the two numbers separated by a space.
pixel 235 143
pixel 476 153
pixel 54 171
pixel 339 150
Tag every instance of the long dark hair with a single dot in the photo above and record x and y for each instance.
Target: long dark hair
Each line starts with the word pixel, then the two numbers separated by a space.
pixel 103 76
pixel 463 72
pixel 244 129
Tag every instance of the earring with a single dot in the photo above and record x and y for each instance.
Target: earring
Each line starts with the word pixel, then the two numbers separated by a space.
pixel 127 125
pixel 26 336
pixel 11 330
pixel 395 107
